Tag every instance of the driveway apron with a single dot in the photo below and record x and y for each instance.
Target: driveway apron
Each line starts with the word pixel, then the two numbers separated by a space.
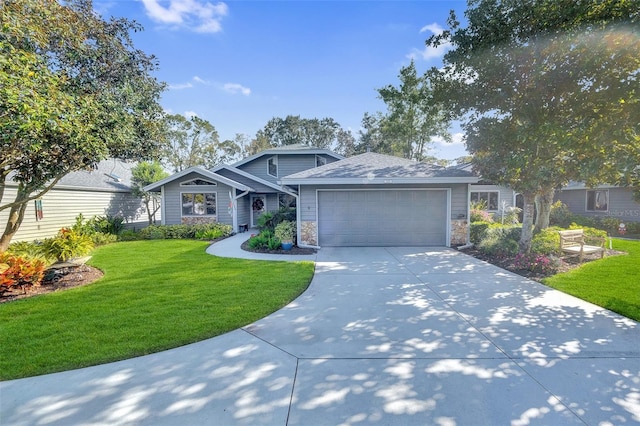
pixel 381 336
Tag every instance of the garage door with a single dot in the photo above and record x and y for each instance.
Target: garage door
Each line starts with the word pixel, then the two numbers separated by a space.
pixel 382 218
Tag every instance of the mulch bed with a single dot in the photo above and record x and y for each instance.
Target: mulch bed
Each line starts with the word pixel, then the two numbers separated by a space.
pixel 61 279
pixel 566 263
pixel 295 250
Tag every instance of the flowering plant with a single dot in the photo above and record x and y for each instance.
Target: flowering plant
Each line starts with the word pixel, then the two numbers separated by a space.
pixel 538 263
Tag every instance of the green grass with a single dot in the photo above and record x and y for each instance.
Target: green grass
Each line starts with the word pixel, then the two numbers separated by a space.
pixel 613 282
pixel 155 295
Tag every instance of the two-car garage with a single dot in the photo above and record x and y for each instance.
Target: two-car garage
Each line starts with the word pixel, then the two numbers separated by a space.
pixel 406 217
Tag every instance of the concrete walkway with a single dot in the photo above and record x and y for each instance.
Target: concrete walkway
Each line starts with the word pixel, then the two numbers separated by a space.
pixel 382 336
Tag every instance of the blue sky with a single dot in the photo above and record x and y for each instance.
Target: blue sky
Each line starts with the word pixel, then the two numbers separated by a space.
pixel 237 64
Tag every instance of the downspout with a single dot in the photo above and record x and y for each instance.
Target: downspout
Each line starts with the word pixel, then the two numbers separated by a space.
pixel 234 210
pixel 163 211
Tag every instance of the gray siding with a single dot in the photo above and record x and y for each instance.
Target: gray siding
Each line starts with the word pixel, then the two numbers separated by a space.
pixel 61 207
pixel 621 203
pixel 459 197
pixel 245 181
pixel 243 210
pixel 288 164
pixel 173 200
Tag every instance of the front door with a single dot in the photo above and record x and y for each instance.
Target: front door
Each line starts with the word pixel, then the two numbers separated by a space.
pixel 258 207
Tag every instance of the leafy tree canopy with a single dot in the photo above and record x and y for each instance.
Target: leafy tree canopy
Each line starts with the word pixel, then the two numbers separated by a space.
pixel 190 142
pixel 547 91
pixel 323 133
pixel 73 91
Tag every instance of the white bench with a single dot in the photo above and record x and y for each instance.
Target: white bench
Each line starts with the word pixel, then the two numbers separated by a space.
pixel 572 242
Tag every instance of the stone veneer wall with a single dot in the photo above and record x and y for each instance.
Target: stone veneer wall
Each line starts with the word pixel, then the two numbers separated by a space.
pixel 459 232
pixel 309 232
pixel 194 220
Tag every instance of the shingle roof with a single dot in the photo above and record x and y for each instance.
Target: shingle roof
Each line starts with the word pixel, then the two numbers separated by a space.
pixel 378 167
pixel 110 174
pixel 288 149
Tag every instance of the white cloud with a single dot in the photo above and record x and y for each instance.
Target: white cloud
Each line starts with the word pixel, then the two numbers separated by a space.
pixel 429 52
pixel 180 86
pixel 235 88
pixel 456 139
pixel 202 17
pixel 201 81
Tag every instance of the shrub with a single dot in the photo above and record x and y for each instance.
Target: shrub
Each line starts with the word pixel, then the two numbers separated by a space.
pixel 286 231
pixel 500 240
pixel 18 272
pixel 560 215
pixel 129 235
pixel 28 250
pixel 547 241
pixel 610 224
pixel 101 238
pixel 67 244
pixel 107 224
pixel 538 263
pixel 179 231
pixel 477 231
pixel 477 215
pixel 265 222
pixel 589 231
pixel 264 240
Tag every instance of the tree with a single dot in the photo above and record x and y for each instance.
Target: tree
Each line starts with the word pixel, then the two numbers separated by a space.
pixel 547 91
pixel 346 143
pixel 412 118
pixel 234 149
pixel 190 142
pixel 73 91
pixel 143 174
pixel 319 133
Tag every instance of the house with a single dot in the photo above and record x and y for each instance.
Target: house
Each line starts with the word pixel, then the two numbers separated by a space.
pixel 105 190
pixel 496 197
pixel 240 193
pixel 365 200
pixel 602 201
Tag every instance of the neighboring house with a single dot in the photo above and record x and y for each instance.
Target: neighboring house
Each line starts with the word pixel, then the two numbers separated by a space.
pixel 602 201
pixel 366 200
pixel 106 190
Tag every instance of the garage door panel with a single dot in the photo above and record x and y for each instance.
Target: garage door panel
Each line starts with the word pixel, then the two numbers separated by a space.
pixel 382 218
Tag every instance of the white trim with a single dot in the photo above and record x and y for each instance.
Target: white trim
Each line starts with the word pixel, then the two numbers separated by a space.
pixel 234 209
pixel 201 171
pixel 586 200
pixel 487 191
pixel 275 161
pixel 448 206
pixel 186 182
pixel 252 197
pixel 199 215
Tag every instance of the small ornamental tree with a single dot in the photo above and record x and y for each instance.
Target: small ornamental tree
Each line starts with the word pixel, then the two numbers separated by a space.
pixel 144 174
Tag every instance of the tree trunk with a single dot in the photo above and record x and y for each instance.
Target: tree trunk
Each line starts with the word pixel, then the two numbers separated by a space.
pixel 16 215
pixel 527 222
pixel 543 201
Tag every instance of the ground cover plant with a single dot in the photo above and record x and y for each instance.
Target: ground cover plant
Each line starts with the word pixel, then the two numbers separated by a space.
pixel 155 295
pixel 612 282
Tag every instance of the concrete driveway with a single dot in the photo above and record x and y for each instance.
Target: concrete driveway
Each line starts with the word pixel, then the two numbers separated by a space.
pixel 382 336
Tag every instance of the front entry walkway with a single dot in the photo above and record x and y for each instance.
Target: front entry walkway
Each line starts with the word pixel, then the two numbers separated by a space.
pixel 382 336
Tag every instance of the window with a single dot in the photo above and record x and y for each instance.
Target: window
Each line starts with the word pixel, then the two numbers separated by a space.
pixel 598 200
pixel 490 198
pixel 286 200
pixel 198 182
pixel 320 161
pixel 272 166
pixel 199 204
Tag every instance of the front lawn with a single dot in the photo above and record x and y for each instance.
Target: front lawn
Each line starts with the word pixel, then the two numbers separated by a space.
pixel 613 282
pixel 155 295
